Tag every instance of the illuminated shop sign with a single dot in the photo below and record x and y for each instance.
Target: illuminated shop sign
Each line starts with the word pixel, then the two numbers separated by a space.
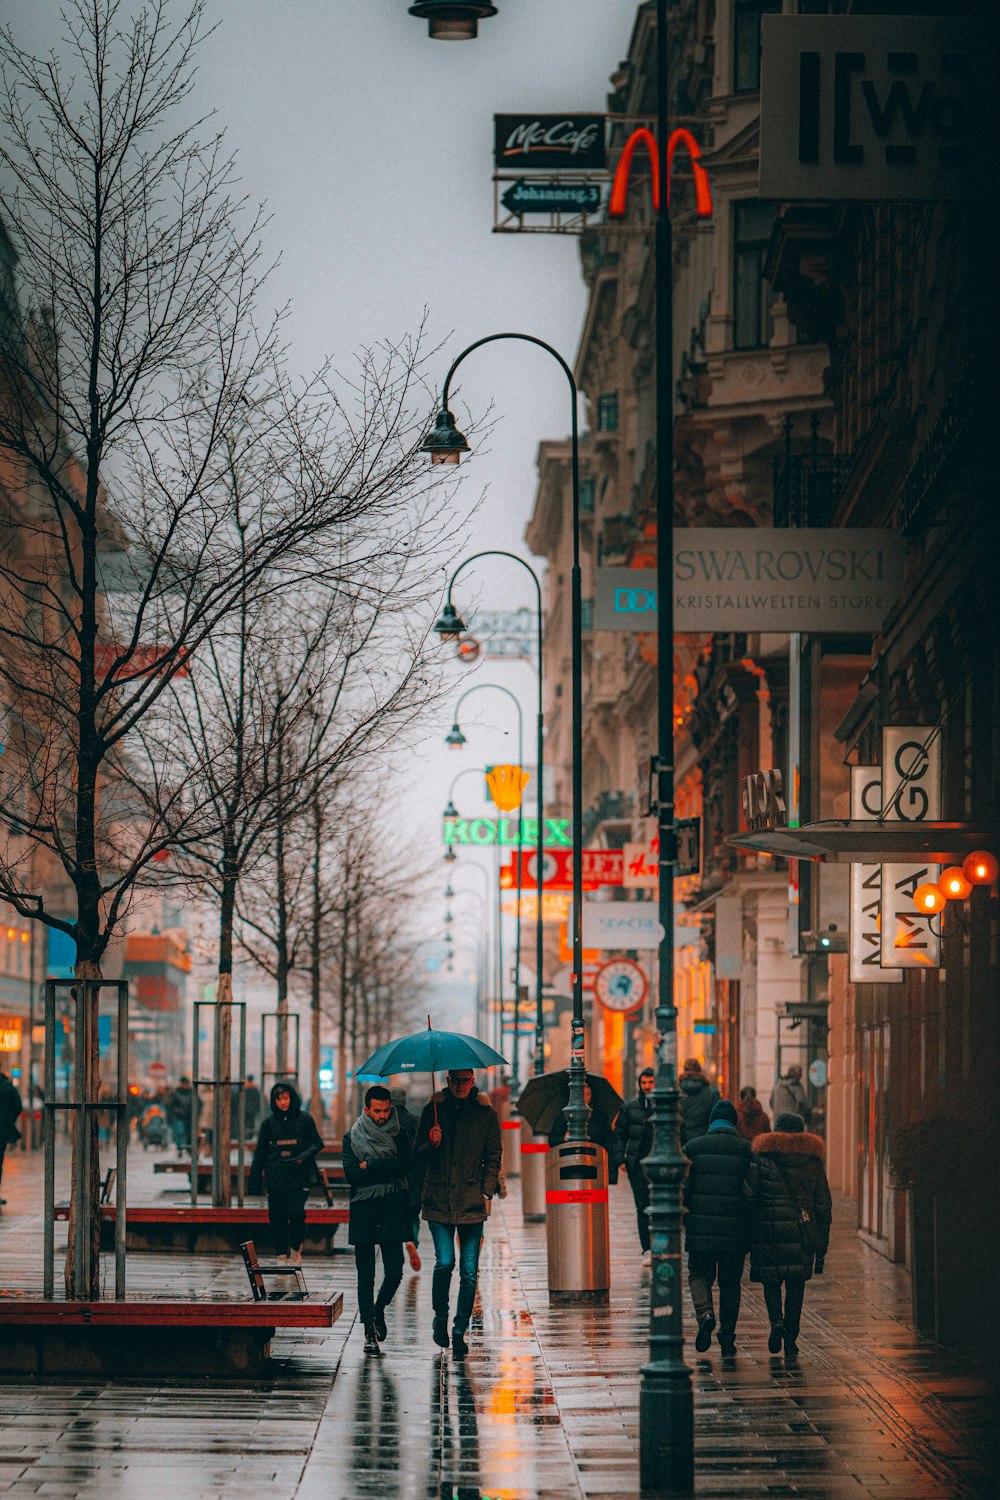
pixel 504 831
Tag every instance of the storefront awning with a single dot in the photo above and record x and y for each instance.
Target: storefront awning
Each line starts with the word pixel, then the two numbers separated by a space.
pixel 848 841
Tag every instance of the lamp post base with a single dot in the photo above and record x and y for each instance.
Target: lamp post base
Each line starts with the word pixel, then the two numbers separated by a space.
pixel 666 1421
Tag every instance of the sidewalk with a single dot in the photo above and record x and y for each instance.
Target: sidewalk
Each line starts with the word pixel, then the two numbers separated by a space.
pixel 545 1408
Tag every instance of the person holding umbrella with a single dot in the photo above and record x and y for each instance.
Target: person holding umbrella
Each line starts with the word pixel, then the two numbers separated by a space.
pixel 458 1142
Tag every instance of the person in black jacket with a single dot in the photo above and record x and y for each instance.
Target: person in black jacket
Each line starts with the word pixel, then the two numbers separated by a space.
pixel 792 1212
pixel 599 1130
pixel 633 1141
pixel 408 1125
pixel 10 1107
pixel 377 1161
pixel 699 1096
pixel 284 1160
pixel 717 1224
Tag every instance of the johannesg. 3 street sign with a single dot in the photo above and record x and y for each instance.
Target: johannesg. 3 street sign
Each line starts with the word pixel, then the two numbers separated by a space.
pixel 836 581
pixel 876 107
pixel 573 142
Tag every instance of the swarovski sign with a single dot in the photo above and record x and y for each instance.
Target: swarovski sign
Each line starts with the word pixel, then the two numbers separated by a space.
pixel 875 107
pixel 834 581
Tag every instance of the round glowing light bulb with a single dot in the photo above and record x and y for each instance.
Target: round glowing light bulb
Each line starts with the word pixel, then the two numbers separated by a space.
pixel 954 883
pixel 928 899
pixel 981 867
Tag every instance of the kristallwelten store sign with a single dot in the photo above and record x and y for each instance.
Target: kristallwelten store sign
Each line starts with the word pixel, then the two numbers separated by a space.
pixel 835 581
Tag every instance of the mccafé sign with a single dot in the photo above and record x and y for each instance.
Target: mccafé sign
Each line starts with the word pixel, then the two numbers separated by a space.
pixel 575 142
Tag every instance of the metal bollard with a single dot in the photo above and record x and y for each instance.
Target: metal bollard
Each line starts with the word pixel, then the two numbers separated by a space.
pixel 534 1149
pixel 576 1223
pixel 510 1126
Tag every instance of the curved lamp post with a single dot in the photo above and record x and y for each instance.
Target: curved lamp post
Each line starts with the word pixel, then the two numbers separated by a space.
pixel 449 627
pixel 666 1408
pixel 471 864
pixel 455 739
pixel 446 444
pixel 482 950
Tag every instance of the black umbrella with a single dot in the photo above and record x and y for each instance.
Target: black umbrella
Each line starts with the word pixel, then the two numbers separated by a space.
pixel 542 1099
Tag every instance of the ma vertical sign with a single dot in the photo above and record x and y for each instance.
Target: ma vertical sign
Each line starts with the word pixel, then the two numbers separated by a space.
pixel 865 947
pixel 911 793
pixel 875 107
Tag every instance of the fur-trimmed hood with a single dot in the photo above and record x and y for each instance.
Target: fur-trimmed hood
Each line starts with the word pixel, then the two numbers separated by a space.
pixel 784 1143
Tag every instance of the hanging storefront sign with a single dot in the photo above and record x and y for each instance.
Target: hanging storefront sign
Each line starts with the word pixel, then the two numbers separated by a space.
pixel 832 580
pixel 575 142
pixel 486 832
pixel 873 107
pixel 911 792
pixel 642 861
pixel 621 985
pixel 621 925
pixel 506 633
pixel 600 867
pixel 555 906
pixel 865 922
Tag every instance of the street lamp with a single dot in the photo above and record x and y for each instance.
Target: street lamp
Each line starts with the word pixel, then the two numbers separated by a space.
pixel 446 444
pixel 451 740
pixel 452 21
pixel 449 627
pixel 666 1413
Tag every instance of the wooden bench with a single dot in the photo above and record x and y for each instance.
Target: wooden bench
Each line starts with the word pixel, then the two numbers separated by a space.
pixel 332 1173
pixel 151 1337
pixel 257 1269
pixel 206 1230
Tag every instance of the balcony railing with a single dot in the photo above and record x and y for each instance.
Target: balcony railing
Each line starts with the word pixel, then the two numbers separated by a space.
pixel 807 486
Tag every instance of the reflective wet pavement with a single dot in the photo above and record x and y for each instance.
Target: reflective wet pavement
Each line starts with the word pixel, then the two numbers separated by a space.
pixel 545 1406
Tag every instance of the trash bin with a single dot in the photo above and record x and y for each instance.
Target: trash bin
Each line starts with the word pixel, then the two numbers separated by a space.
pixel 534 1149
pixel 576 1222
pixel 510 1126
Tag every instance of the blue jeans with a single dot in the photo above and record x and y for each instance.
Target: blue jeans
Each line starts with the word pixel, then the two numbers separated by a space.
pixel 470 1237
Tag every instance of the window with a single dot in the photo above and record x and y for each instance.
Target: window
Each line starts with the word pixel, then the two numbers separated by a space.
pixel 587 485
pixel 746 42
pixel 752 295
pixel 607 412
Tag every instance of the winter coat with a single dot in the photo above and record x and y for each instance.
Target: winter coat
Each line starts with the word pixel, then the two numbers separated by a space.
pixel 788 1097
pixel 753 1119
pixel 179 1104
pixel 10 1108
pixel 633 1137
pixel 415 1180
pixel 598 1130
pixel 464 1169
pixel 698 1098
pixel 377 1221
pixel 717 1193
pixel 779 1245
pixel 287 1147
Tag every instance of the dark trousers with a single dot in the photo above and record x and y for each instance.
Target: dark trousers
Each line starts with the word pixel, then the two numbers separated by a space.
pixel 795 1290
pixel 286 1214
pixel 470 1238
pixel 392 1275
pixel 3 1152
pixel 640 1192
pixel 703 1270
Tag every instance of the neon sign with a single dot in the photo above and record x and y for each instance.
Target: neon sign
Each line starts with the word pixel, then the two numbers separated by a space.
pixel 644 137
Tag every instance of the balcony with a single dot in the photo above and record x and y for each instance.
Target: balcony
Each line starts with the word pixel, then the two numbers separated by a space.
pixel 807 486
pixel 609 807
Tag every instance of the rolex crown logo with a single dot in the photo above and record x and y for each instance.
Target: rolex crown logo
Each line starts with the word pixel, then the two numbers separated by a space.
pixel 507 784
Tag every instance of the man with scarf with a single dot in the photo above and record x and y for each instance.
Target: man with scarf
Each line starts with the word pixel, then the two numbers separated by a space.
pixel 285 1160
pixel 377 1164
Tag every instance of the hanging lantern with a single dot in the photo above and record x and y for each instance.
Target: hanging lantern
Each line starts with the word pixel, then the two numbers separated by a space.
pixel 981 867
pixel 929 899
pixel 954 883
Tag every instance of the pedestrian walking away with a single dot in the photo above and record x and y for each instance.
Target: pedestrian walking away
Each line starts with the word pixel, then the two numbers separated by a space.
pixel 10 1108
pixel 251 1106
pixel 408 1125
pixel 377 1162
pixel 792 1212
pixel 699 1096
pixel 458 1141
pixel 284 1161
pixel 754 1119
pixel 717 1224
pixel 633 1141
pixel 788 1097
pixel 179 1108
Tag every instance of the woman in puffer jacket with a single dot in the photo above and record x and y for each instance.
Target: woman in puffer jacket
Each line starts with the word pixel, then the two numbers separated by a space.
pixel 792 1212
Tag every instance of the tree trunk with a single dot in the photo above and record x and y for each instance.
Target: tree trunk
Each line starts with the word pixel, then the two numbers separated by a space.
pixel 281 934
pixel 341 1107
pixel 315 958
pixel 85 1198
pixel 222 1123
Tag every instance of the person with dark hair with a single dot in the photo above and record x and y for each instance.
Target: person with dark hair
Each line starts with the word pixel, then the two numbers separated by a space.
pixel 11 1105
pixel 699 1096
pixel 284 1160
pixel 408 1125
pixel 377 1163
pixel 717 1224
pixel 792 1212
pixel 458 1141
pixel 633 1140
pixel 754 1119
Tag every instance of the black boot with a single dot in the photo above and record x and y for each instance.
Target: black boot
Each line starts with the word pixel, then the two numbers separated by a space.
pixel 378 1322
pixel 706 1324
pixel 776 1336
pixel 459 1347
pixel 371 1342
pixel 440 1287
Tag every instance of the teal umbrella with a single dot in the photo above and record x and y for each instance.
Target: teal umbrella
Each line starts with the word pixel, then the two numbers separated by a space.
pixel 430 1052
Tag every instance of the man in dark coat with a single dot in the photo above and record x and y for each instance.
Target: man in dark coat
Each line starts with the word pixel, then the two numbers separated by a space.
pixel 10 1107
pixel 633 1140
pixel 377 1160
pixel 415 1181
pixel 284 1160
pixel 699 1096
pixel 788 1097
pixel 179 1107
pixel 717 1224
pixel 792 1212
pixel 599 1130
pixel 458 1141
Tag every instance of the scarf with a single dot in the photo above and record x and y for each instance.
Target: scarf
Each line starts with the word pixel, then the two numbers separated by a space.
pixel 379 1141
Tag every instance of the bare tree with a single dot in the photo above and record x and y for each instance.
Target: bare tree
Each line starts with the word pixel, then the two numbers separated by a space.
pixel 136 377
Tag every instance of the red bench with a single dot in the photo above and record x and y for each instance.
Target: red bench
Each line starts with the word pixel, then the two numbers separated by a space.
pixel 207 1230
pixel 233 1338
